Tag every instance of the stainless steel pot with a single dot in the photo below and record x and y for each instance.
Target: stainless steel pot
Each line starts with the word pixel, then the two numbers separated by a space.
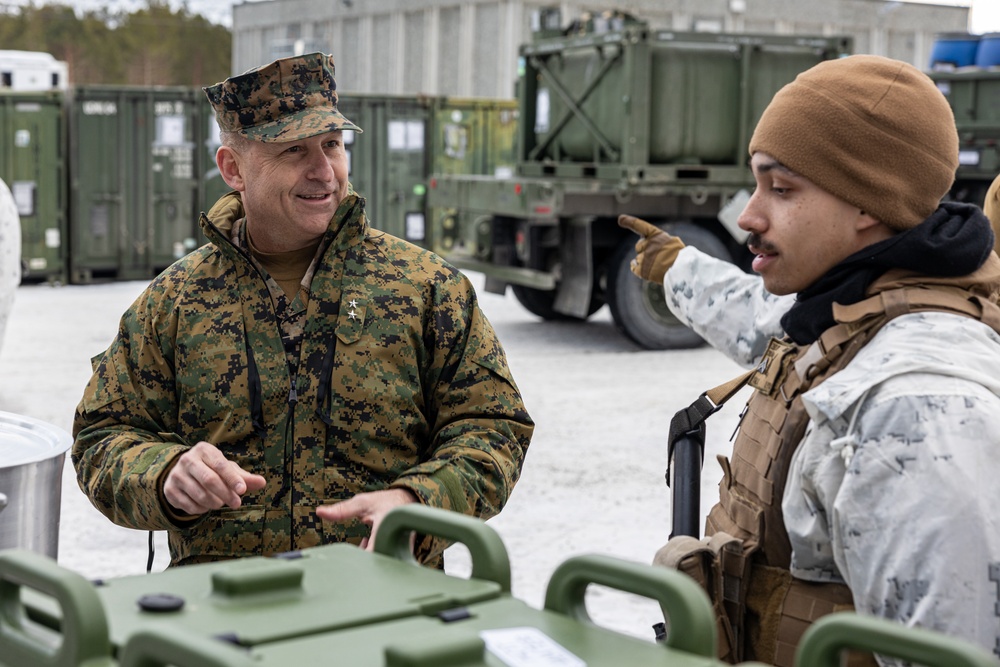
pixel 31 463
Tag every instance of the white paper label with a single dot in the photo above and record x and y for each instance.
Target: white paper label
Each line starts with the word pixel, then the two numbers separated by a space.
pixel 528 647
pixel 397 135
pixel 170 130
pixel 968 158
pixel 24 197
pixel 730 214
pixel 406 135
pixel 542 107
pixel 415 135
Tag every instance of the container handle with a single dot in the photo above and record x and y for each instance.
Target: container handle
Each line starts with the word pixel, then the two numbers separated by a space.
pixel 168 645
pixel 825 639
pixel 684 604
pixel 278 576
pixel 84 627
pixel 489 556
pixel 3 501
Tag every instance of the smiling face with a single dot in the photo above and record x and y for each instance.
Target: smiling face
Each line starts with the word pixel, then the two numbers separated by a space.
pixel 290 190
pixel 798 231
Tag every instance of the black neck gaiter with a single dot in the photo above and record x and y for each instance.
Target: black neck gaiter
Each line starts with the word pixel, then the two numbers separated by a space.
pixel 954 241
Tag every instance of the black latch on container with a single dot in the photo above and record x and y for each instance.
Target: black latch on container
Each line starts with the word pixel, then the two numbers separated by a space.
pixel 160 602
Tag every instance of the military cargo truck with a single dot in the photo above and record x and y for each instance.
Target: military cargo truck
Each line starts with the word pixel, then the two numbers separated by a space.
pixel 653 123
pixel 974 95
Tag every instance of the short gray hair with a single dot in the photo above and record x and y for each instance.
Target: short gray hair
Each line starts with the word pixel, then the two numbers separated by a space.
pixel 235 140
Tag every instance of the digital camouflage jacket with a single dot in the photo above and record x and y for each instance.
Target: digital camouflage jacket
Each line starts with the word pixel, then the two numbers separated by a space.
pixel 401 383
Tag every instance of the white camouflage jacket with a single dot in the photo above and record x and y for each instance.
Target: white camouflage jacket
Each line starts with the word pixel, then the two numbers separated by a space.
pixel 710 295
pixel 895 488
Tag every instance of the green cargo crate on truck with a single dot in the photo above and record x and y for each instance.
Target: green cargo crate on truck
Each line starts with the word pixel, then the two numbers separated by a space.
pixel 652 123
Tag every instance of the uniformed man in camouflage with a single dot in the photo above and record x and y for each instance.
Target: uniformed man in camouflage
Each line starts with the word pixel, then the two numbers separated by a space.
pixel 864 473
pixel 293 380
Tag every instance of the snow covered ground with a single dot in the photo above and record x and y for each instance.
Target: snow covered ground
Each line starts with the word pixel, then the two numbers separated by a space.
pixel 593 480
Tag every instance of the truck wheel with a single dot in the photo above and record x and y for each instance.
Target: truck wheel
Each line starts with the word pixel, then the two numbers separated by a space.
pixel 539 302
pixel 638 306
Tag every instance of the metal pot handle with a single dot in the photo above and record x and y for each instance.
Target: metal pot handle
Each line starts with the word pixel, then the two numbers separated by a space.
pixel 3 501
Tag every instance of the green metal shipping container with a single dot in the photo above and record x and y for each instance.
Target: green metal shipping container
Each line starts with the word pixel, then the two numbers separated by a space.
pixel 133 192
pixel 471 136
pixel 643 98
pixel 389 160
pixel 33 164
pixel 210 183
pixel 474 136
pixel 406 139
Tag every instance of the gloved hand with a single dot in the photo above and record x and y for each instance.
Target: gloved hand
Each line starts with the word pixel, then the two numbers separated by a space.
pixel 655 252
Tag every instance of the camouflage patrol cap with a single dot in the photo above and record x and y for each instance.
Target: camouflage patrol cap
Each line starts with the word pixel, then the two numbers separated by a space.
pixel 287 100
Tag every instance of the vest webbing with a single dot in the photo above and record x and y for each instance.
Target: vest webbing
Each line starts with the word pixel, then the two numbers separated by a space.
pixel 780 608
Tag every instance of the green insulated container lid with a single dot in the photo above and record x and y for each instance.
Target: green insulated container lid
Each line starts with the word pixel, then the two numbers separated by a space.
pixel 502 632
pixel 257 600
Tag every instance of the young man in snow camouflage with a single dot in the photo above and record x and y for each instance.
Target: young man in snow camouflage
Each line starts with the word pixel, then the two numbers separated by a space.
pixel 293 380
pixel 725 293
pixel 864 471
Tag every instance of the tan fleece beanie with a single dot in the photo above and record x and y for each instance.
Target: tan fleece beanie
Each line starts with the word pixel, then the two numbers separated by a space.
pixel 872 131
pixel 991 207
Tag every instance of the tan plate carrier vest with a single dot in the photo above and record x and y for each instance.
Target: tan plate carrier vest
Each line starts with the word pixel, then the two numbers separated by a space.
pixel 743 563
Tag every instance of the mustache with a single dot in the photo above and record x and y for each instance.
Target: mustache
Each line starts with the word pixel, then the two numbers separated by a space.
pixel 759 246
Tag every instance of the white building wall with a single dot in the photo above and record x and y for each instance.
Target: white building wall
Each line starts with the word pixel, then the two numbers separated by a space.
pixel 469 48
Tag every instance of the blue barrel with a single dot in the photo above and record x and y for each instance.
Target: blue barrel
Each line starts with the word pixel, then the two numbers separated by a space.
pixel 988 54
pixel 954 49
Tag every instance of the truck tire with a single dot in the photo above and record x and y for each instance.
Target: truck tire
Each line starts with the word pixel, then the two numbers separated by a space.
pixel 539 302
pixel 638 306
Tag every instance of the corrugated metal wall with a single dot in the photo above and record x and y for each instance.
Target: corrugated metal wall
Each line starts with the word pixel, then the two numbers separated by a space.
pixel 445 47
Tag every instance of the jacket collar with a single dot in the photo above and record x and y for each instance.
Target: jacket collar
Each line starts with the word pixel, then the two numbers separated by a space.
pixel 347 226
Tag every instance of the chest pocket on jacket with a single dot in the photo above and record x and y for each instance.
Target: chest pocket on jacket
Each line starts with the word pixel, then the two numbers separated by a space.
pixel 350 325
